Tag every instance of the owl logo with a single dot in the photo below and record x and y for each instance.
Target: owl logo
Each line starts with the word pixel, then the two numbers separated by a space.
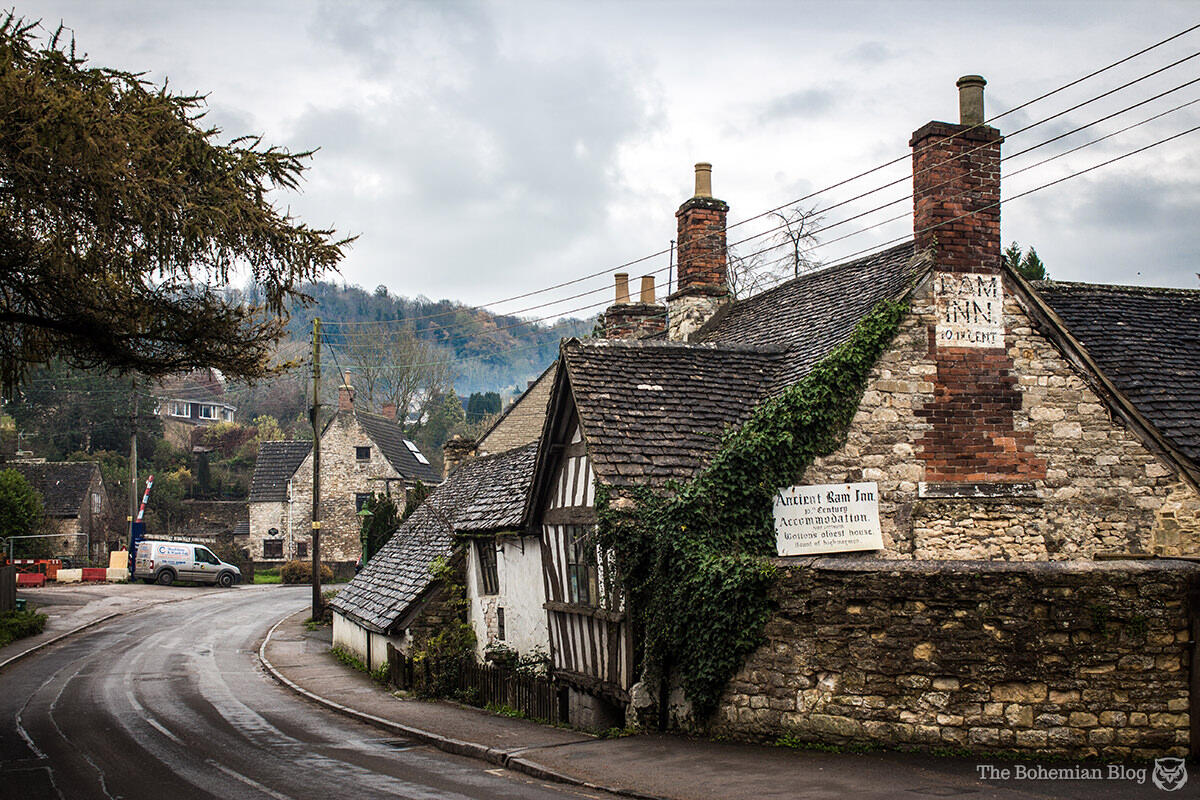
pixel 1169 773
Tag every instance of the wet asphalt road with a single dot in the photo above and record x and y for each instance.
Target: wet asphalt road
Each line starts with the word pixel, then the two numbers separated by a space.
pixel 172 702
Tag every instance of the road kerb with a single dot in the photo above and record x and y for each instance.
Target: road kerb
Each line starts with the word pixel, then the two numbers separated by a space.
pixel 491 755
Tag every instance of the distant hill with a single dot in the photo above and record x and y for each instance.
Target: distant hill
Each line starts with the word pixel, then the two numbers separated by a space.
pixel 492 352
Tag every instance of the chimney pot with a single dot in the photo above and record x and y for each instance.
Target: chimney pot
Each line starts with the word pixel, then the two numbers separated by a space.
pixel 622 280
pixel 648 289
pixel 970 99
pixel 704 179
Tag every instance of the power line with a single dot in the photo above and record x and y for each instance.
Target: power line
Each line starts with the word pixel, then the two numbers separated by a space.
pixel 816 193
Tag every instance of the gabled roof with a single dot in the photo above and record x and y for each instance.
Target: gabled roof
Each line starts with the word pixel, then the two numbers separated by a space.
pixel 1147 342
pixel 63 485
pixel 202 385
pixel 277 462
pixel 812 314
pixel 389 436
pixel 652 411
pixel 485 494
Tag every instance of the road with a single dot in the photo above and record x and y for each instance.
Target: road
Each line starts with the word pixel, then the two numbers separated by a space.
pixel 171 702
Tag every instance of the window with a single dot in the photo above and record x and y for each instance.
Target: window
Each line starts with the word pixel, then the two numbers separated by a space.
pixel 301 549
pixel 179 409
pixel 500 624
pixel 95 502
pixel 272 548
pixel 581 567
pixel 208 412
pixel 205 557
pixel 362 453
pixel 412 448
pixel 227 414
pixel 360 500
pixel 489 581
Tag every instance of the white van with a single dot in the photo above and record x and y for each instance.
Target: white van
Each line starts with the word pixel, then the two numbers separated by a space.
pixel 167 562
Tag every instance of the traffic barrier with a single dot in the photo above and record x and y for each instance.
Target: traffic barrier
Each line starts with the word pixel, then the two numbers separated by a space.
pixel 116 574
pixel 99 574
pixel 69 575
pixel 30 579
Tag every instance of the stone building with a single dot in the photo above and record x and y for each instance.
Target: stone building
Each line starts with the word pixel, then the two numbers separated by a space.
pixel 361 453
pixel 1033 440
pixel 77 508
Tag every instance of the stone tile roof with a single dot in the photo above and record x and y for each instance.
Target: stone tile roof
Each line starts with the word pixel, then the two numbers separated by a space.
pixel 520 423
pixel 814 313
pixel 388 434
pixel 652 411
pixel 63 485
pixel 1147 342
pixel 277 462
pixel 485 494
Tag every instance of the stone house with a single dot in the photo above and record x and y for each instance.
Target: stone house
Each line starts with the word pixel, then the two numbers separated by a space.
pixel 1035 455
pixel 77 508
pixel 191 400
pixel 361 453
pixel 473 521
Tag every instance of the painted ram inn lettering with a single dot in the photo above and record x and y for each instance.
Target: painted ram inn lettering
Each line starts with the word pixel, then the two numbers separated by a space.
pixel 970 309
pixel 831 518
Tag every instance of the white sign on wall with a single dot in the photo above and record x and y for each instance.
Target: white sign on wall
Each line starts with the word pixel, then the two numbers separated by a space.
pixel 970 309
pixel 831 518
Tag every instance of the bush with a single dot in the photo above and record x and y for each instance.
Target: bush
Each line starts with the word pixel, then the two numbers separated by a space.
pixel 301 572
pixel 19 624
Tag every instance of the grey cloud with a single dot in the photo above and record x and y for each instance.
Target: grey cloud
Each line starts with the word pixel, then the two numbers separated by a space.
pixel 803 103
pixel 872 53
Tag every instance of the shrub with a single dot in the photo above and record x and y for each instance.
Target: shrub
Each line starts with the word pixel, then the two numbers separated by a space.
pixel 19 624
pixel 301 572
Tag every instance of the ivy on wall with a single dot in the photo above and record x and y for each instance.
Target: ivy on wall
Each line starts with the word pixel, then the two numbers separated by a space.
pixel 694 558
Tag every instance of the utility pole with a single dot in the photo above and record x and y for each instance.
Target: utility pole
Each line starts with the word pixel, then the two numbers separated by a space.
pixel 133 456
pixel 316 498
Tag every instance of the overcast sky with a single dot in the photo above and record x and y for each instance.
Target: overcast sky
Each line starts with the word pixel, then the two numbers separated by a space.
pixel 482 150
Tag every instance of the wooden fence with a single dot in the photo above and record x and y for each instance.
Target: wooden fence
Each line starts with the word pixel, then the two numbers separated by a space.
pixel 483 685
pixel 8 588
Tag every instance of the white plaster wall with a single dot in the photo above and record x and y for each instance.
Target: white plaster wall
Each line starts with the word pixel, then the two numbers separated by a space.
pixel 350 636
pixel 521 596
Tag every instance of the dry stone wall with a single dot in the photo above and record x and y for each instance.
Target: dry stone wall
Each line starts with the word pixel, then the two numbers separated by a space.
pixel 1093 487
pixel 1075 659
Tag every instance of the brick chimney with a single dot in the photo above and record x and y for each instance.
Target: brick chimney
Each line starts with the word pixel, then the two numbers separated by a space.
pixel 455 451
pixel 956 218
pixel 389 410
pixel 628 320
pixel 700 245
pixel 956 186
pixel 346 393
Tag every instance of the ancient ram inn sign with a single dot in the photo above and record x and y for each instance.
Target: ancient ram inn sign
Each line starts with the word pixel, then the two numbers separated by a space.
pixel 830 518
pixel 970 309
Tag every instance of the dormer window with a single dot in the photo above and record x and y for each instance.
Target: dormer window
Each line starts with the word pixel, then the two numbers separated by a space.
pixel 362 453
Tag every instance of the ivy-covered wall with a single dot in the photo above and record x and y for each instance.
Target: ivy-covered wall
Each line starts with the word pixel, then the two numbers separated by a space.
pixel 1076 659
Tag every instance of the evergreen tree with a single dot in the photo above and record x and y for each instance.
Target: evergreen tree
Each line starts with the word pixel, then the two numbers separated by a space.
pixel 379 526
pixel 20 507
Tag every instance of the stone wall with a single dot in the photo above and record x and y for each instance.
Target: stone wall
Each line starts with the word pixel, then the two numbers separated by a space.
pixel 1075 659
pixel 522 423
pixel 1093 487
pixel 209 518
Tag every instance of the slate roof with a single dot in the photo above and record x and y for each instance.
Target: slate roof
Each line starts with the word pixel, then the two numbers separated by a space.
pixel 815 312
pixel 63 485
pixel 389 436
pixel 485 494
pixel 274 467
pixel 652 411
pixel 1147 342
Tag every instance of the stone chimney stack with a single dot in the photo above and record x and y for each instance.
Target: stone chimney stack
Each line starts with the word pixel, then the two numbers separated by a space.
pixel 456 450
pixel 628 320
pixel 346 394
pixel 389 410
pixel 956 187
pixel 700 244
